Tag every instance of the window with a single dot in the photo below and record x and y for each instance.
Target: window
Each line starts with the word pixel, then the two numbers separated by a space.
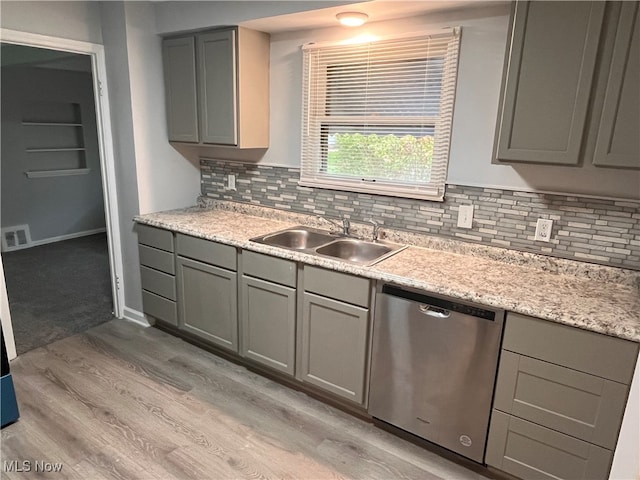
pixel 377 116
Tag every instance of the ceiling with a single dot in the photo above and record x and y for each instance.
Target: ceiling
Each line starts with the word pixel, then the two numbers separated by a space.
pixel 377 10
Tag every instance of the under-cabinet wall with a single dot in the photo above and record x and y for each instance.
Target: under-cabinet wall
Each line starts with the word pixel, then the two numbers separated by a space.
pixel 585 229
pixel 58 205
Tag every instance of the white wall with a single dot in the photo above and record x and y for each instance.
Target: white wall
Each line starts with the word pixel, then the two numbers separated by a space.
pixel 51 206
pixel 484 37
pixel 626 459
pixel 166 179
pixel 115 45
pixel 74 20
pixel 152 176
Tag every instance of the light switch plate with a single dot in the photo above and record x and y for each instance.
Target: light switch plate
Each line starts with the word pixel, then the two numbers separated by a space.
pixel 465 216
pixel 231 182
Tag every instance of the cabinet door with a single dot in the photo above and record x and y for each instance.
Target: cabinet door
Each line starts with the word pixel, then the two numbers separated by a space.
pixel 548 81
pixel 268 323
pixel 179 59
pixel 618 141
pixel 207 298
pixel 334 346
pixel 218 87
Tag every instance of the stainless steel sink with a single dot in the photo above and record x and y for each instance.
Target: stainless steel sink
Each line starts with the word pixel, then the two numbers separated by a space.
pixel 330 245
pixel 354 250
pixel 298 239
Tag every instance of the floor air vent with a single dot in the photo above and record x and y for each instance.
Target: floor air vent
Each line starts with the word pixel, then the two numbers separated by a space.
pixel 15 238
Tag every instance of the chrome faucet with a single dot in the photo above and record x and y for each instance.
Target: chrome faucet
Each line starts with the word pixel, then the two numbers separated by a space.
pixel 376 229
pixel 346 224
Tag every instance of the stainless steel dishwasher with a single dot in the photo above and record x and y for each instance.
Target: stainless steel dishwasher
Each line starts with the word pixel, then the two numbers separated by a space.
pixel 433 371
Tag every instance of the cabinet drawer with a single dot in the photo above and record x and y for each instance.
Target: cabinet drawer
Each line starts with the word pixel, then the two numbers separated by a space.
pixel 270 268
pixel 590 352
pixel 155 237
pixel 158 259
pixel 158 282
pixel 571 402
pixel 159 307
pixel 207 251
pixel 340 286
pixel 530 451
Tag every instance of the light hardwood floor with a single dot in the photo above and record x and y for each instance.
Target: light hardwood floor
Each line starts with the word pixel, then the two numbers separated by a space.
pixel 126 402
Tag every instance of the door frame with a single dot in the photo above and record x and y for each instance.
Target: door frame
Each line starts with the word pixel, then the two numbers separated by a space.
pixel 107 163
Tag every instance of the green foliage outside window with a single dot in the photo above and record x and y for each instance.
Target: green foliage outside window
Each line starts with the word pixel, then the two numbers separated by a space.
pixel 384 157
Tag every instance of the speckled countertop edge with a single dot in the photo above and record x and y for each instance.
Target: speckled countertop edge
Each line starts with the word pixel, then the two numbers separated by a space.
pixel 600 299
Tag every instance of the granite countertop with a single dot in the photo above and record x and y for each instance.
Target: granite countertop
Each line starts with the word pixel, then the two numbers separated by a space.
pixel 592 297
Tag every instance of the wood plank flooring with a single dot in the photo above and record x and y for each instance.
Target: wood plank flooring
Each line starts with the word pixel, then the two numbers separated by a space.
pixel 125 402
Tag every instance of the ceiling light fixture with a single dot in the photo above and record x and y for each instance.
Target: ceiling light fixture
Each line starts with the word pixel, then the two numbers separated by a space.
pixel 352 19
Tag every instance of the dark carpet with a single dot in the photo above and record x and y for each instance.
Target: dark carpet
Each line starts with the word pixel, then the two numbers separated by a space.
pixel 58 290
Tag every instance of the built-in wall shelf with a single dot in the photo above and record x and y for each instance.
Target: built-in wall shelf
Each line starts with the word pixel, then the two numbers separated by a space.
pixel 56 149
pixel 51 124
pixel 54 140
pixel 56 173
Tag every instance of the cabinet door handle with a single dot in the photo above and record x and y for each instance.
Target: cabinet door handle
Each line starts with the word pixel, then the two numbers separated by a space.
pixel 434 311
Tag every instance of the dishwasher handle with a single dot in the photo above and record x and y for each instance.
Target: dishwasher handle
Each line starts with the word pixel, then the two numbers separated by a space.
pixel 439 307
pixel 434 311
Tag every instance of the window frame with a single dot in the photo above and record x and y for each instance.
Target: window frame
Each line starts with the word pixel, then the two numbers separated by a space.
pixel 314 136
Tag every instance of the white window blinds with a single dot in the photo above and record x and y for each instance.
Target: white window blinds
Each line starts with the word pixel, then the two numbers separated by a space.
pixel 377 116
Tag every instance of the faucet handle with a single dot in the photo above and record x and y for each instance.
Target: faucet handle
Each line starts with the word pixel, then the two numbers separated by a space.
pixel 346 225
pixel 376 229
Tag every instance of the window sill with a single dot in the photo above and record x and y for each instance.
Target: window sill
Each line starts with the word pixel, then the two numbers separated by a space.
pixel 419 192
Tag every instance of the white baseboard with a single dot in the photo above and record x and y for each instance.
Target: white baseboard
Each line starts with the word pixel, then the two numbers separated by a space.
pixel 69 236
pixel 136 317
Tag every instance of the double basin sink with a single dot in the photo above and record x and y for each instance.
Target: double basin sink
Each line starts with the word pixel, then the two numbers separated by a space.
pixel 330 245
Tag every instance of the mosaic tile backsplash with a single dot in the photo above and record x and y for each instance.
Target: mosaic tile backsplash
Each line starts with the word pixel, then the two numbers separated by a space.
pixel 586 229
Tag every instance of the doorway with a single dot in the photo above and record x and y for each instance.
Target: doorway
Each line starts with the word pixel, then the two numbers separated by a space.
pixel 53 224
pixel 59 149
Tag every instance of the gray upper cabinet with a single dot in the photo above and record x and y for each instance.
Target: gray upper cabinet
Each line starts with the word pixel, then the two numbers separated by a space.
pixel 217 88
pixel 548 80
pixel 618 138
pixel 217 80
pixel 180 89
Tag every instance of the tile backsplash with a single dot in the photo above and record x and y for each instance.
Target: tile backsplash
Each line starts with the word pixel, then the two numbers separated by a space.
pixel 586 229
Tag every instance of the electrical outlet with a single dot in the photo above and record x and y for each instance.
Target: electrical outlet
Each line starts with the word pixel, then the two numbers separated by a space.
pixel 231 182
pixel 465 216
pixel 543 230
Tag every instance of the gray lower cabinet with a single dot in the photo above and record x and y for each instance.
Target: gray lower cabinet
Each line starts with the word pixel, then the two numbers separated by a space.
pixel 527 450
pixel 334 346
pixel 207 296
pixel 268 322
pixel 559 400
pixel 157 273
